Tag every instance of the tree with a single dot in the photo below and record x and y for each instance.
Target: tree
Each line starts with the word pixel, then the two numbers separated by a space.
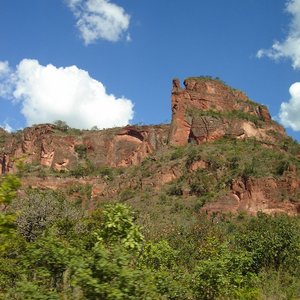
pixel 118 226
pixel 9 185
pixel 273 242
pixel 109 270
pixel 222 271
pixel 61 125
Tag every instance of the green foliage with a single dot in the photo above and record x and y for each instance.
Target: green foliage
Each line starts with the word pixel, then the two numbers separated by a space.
pixel 46 260
pixel 53 250
pixel 105 172
pixel 107 273
pixel 202 182
pixel 221 271
pixel 126 194
pixel 28 290
pixel 82 170
pixel 118 226
pixel 192 156
pixel 291 146
pixel 9 185
pixel 7 230
pixel 231 115
pixel 8 192
pixel 175 189
pixel 279 285
pixel 273 242
pixel 83 191
pixel 206 78
pixel 159 255
pixel 282 166
pixel 81 150
pixel 61 125
pixel 177 153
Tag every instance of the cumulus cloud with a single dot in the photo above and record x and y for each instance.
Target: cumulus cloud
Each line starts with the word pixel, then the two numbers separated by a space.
pixel 48 93
pixel 290 111
pixel 99 19
pixel 290 47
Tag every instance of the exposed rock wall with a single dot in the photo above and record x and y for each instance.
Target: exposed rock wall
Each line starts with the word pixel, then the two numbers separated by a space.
pixel 50 147
pixel 267 195
pixel 206 110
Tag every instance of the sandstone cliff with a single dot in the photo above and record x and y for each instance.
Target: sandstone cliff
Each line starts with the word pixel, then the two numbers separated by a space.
pixel 207 109
pixel 49 146
pixel 204 112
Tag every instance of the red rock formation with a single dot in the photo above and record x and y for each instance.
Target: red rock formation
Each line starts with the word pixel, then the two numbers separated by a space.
pixel 267 195
pixel 50 147
pixel 206 110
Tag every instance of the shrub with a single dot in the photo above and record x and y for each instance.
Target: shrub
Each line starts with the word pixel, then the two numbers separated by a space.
pixel 126 195
pixel 61 125
pixel 272 241
pixel 177 153
pixel 81 150
pixel 175 189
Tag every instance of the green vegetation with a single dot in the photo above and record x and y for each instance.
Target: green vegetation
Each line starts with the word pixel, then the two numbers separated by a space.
pixel 61 125
pixel 52 249
pixel 148 243
pixel 231 115
pixel 81 150
pixel 206 78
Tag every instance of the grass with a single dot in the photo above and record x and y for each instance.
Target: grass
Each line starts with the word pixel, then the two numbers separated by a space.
pixel 231 115
pixel 206 78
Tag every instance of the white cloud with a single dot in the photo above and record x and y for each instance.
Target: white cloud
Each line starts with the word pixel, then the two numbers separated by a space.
pixel 290 47
pixel 290 111
pixel 99 19
pixel 48 93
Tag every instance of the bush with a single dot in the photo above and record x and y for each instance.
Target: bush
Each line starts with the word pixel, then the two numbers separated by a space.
pixel 61 125
pixel 81 150
pixel 221 271
pixel 177 153
pixel 272 241
pixel 126 195
pixel 175 189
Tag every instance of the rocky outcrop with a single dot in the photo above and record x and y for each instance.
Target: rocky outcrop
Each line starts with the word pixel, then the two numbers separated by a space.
pixel 48 146
pixel 204 110
pixel 253 195
pixel 207 109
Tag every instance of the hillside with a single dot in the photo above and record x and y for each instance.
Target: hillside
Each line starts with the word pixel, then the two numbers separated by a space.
pixel 204 208
pixel 221 150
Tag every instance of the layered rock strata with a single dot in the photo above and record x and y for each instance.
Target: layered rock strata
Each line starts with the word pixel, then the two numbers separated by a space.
pixel 48 146
pixel 206 109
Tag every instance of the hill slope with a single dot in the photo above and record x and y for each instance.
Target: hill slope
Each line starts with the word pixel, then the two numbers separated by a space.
pixel 204 208
pixel 221 153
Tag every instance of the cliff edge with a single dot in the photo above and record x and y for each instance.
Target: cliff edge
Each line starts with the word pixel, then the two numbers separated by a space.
pixel 206 109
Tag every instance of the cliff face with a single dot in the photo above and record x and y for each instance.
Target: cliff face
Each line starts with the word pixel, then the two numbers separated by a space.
pixel 207 109
pixel 48 146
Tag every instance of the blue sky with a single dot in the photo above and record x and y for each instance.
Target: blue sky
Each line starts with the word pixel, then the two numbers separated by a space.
pixel 106 63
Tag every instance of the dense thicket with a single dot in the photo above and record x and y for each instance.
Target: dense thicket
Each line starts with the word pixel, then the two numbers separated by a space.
pixel 51 249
